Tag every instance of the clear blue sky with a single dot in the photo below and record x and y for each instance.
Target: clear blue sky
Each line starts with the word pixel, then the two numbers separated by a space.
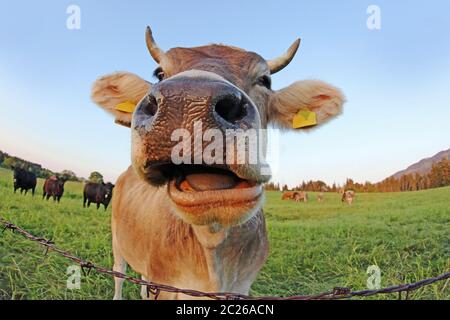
pixel 397 79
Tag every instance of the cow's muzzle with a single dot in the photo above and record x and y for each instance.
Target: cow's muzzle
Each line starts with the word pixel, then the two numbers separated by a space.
pixel 174 127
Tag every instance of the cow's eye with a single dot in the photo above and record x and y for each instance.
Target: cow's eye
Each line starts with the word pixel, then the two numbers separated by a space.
pixel 159 74
pixel 265 81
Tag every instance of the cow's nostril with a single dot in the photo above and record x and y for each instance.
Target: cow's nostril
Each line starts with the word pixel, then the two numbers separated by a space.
pixel 149 105
pixel 231 108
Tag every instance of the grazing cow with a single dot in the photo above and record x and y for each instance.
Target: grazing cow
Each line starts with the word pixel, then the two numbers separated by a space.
pixel 99 193
pixel 348 196
pixel 288 195
pixel 320 197
pixel 195 223
pixel 301 196
pixel 53 187
pixel 24 180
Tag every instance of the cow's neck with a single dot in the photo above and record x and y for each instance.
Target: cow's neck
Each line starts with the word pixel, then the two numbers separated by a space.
pixel 210 237
pixel 233 256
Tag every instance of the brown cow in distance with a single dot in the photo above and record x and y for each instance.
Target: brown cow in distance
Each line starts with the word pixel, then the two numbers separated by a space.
pixel 196 223
pixel 348 196
pixel 297 196
pixel 288 195
pixel 53 187
pixel 301 196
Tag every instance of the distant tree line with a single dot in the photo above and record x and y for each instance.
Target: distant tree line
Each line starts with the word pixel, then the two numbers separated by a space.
pixel 8 161
pixel 439 176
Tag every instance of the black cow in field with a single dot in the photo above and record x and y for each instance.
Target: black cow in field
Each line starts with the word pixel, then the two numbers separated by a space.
pixel 53 187
pixel 24 180
pixel 99 193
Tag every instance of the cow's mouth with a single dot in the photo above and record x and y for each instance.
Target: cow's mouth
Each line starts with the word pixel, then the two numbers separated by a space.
pixel 195 185
pixel 205 194
pixel 199 178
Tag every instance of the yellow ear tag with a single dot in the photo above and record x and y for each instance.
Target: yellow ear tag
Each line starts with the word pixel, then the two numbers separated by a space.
pixel 304 118
pixel 126 106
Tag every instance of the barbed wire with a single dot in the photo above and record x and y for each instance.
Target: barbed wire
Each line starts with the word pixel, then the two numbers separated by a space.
pixel 157 288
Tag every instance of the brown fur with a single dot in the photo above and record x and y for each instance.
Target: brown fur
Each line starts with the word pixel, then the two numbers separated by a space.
pixel 236 65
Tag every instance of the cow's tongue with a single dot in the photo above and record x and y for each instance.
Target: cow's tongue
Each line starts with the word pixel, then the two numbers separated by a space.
pixel 210 181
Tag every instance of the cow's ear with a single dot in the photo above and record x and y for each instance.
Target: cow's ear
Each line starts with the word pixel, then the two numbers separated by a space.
pixel 118 93
pixel 316 98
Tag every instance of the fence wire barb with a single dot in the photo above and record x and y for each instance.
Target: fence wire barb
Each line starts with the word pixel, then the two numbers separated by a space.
pixel 156 288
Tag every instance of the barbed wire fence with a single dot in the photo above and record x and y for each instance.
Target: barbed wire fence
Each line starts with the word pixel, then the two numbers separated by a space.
pixel 156 288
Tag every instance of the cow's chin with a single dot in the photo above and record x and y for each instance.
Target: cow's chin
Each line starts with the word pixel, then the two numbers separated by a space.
pixel 217 197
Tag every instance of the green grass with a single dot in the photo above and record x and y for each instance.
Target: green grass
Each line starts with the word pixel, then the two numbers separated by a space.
pixel 313 247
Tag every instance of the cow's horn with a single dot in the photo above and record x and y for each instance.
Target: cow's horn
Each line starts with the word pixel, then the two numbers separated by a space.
pixel 153 48
pixel 279 63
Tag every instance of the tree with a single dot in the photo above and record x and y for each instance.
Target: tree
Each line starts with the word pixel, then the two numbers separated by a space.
pixel 69 175
pixel 419 181
pixel 406 182
pixel 368 187
pixel 439 175
pixel 333 187
pixel 96 177
pixel 272 186
pixel 9 162
pixel 2 157
pixel 349 184
pixel 444 171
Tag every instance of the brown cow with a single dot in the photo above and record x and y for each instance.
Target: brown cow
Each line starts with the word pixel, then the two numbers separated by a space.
pixel 288 195
pixel 53 187
pixel 196 224
pixel 348 196
pixel 301 196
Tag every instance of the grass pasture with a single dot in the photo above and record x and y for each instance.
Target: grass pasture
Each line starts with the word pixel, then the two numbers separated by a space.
pixel 314 246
